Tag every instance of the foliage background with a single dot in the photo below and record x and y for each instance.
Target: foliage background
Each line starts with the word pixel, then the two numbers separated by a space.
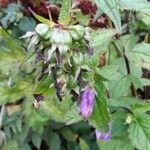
pixel 120 39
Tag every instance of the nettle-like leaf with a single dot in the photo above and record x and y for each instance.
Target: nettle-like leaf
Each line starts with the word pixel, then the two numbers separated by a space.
pixel 121 87
pixel 64 16
pixel 140 55
pixel 139 132
pixel 125 102
pixel 72 115
pixel 100 39
pixel 100 116
pixel 111 8
pixel 137 5
pixel 11 53
pixel 119 126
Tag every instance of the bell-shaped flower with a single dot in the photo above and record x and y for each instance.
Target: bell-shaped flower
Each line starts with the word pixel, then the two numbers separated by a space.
pixel 87 102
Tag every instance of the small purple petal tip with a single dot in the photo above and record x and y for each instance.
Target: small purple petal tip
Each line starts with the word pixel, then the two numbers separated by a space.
pixel 90 51
pixel 87 102
pixel 104 136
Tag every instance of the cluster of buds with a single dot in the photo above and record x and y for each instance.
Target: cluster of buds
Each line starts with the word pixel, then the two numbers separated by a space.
pixel 59 38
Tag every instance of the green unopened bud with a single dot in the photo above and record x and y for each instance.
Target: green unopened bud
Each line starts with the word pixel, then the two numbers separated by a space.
pixel 77 32
pixel 60 36
pixel 42 29
pixel 63 48
pixel 78 58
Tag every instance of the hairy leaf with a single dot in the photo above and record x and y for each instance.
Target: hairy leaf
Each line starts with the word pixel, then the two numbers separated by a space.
pixel 110 7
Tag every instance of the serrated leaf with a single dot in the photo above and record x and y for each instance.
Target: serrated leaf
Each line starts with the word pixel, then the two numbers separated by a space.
pixel 64 16
pixel 140 55
pixel 126 102
pixel 121 87
pixel 50 109
pixel 136 5
pixel 72 115
pixel 100 116
pixel 141 108
pixel 110 7
pixel 11 53
pixel 101 38
pixel 119 126
pixel 139 132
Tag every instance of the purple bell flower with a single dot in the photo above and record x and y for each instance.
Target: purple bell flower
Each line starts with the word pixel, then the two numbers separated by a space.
pixel 102 135
pixel 87 102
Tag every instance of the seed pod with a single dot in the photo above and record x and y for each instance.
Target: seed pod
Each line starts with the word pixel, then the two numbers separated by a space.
pixel 42 29
pixel 102 135
pixel 77 32
pixel 60 36
pixel 87 102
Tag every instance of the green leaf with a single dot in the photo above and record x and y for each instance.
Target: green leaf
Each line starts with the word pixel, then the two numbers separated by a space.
pixel 101 38
pixel 11 53
pixel 27 24
pixel 139 132
pixel 55 142
pixel 68 134
pixel 83 145
pixel 100 116
pixel 119 126
pixel 36 140
pixel 126 102
pixel 42 19
pixel 109 72
pixel 121 143
pixel 140 55
pixel 110 7
pixel 121 87
pixel 18 90
pixel 72 115
pixel 10 144
pixel 64 16
pixel 51 110
pixel 136 5
pixel 141 108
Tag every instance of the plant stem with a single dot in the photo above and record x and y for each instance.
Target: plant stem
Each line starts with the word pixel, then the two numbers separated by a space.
pixel 133 90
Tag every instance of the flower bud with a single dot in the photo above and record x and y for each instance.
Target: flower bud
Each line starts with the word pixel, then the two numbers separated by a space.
pixel 60 36
pixel 87 102
pixel 77 32
pixel 102 135
pixel 78 58
pixel 42 29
